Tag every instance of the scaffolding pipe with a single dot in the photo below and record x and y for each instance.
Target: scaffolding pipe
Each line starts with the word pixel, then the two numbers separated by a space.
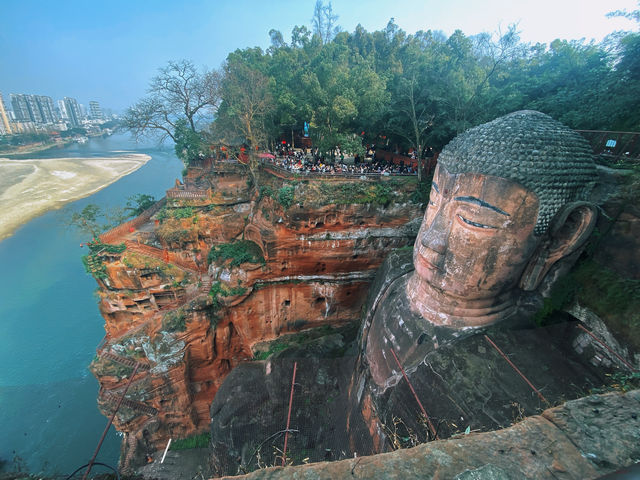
pixel 106 429
pixel 415 395
pixel 627 364
pixel 286 435
pixel 517 370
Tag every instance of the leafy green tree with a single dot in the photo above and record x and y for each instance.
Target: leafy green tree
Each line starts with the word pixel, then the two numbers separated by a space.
pixel 94 221
pixel 136 204
pixel 189 143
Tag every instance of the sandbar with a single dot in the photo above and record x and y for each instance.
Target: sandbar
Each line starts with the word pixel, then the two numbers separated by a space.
pixel 29 188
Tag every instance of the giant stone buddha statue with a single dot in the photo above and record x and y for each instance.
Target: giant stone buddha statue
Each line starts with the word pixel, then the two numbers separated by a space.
pixel 508 212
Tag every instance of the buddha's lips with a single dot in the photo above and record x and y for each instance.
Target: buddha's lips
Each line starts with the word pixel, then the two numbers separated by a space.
pixel 426 264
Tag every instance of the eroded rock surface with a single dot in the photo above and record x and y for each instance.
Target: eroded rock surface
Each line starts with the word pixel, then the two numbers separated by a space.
pixel 566 442
pixel 189 323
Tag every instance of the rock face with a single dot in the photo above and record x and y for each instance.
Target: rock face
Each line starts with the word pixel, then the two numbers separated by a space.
pixel 281 267
pixel 617 193
pixel 582 439
pixel 463 386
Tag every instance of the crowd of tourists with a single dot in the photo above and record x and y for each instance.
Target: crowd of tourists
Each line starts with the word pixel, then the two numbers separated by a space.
pixel 310 163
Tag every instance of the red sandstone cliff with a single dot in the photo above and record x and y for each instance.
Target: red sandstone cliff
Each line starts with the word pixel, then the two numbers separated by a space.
pixel 316 246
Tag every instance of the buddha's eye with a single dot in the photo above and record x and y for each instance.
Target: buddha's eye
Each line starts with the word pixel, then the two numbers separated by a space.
pixel 474 224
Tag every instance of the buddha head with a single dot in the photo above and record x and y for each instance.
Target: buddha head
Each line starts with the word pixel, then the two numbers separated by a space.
pixel 507 206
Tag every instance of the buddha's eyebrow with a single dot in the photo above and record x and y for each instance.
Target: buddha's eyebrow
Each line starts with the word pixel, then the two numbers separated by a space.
pixel 433 184
pixel 482 203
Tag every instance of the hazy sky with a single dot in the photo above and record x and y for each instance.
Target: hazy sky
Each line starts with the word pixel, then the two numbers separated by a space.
pixel 107 50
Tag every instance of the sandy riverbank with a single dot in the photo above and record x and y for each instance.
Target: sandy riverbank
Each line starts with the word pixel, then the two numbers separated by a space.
pixel 29 188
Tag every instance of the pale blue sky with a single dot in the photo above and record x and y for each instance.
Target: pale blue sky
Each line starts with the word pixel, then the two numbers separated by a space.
pixel 107 50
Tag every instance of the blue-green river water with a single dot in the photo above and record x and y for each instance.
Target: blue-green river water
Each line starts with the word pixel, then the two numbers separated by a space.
pixel 50 324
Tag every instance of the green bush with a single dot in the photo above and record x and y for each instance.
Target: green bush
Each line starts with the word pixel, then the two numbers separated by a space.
pixel 358 193
pixel 238 252
pixel 286 195
pixel 266 191
pixel 174 321
pixel 183 212
pixel 99 247
pixel 600 289
pixel 195 441
pixel 177 213
pixel 274 348
pixel 94 265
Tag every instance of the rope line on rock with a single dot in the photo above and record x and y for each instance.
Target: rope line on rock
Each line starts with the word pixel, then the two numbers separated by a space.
pixel 415 395
pixel 286 435
pixel 106 429
pixel 516 369
pixel 601 342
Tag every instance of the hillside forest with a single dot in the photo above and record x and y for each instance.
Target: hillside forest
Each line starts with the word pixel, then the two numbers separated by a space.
pixel 410 92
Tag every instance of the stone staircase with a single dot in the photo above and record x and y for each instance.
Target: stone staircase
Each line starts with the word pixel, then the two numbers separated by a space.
pixel 122 360
pixel 113 399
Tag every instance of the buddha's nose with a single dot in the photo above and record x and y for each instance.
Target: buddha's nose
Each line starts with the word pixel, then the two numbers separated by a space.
pixel 435 237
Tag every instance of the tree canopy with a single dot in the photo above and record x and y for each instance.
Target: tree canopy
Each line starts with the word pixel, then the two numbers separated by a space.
pixel 407 91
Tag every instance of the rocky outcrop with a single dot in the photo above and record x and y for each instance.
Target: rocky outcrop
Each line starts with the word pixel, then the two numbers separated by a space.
pixel 287 267
pixel 582 439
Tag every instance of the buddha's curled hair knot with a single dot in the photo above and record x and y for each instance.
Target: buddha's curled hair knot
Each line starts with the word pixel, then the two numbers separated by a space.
pixel 530 148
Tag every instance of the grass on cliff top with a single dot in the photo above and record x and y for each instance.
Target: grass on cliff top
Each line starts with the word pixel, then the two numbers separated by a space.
pixel 144 262
pixel 178 232
pixel 319 192
pixel 359 192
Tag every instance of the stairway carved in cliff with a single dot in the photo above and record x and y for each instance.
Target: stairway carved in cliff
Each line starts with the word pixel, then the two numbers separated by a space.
pixel 122 360
pixel 113 399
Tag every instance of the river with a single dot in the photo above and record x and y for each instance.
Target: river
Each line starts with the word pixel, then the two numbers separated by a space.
pixel 50 324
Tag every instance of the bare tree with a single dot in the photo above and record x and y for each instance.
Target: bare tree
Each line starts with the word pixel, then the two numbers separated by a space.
pixel 324 21
pixel 179 91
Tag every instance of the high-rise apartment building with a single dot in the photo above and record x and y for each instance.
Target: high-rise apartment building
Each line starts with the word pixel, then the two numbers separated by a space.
pixel 73 111
pixel 62 110
pixel 20 107
pixel 95 112
pixel 38 109
pixel 46 108
pixel 5 126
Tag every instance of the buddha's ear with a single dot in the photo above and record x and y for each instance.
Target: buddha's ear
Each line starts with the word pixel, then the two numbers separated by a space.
pixel 568 231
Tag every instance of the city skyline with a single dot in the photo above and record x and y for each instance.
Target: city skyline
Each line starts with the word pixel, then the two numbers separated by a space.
pixel 109 52
pixel 29 113
pixel 8 105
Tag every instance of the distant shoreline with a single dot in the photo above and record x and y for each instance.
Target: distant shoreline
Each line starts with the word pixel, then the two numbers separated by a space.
pixel 33 148
pixel 31 187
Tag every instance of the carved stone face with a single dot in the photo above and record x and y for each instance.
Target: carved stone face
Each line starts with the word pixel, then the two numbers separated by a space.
pixel 476 239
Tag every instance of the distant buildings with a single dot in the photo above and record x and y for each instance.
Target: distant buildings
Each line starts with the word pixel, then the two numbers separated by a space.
pixel 39 113
pixel 63 110
pixel 38 109
pixel 5 127
pixel 95 112
pixel 73 111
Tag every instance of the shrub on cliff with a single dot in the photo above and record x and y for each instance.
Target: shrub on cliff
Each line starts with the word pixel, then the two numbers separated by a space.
pixel 286 195
pixel 174 321
pixel 242 251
